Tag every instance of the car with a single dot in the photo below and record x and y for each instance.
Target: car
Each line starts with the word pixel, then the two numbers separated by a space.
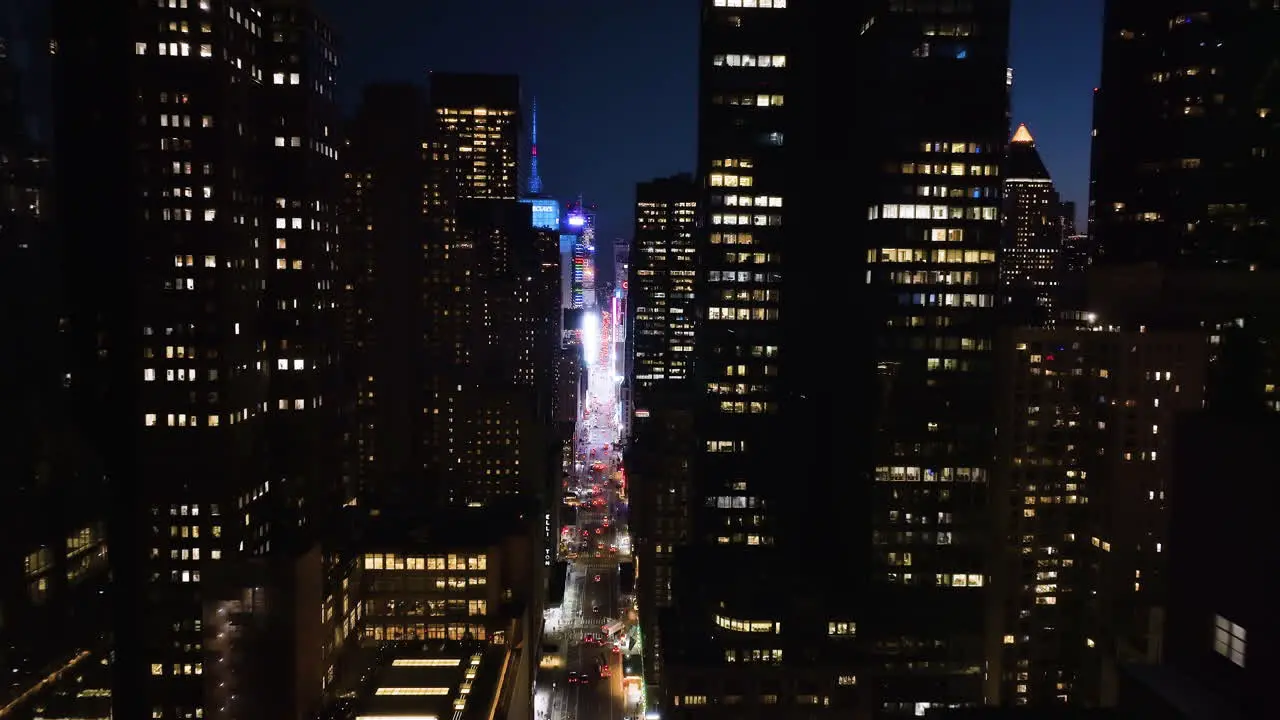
pixel 575 678
pixel 597 578
pixel 595 609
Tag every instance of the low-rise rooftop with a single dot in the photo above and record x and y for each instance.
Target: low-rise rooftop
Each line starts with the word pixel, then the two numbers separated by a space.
pixel 435 681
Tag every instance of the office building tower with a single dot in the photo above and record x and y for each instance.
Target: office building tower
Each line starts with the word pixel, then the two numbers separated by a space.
pixel 383 236
pixel 303 192
pixel 621 260
pixel 490 401
pixel 577 238
pixel 1075 254
pixel 1216 634
pixel 778 641
pixel 491 303
pixel 1081 535
pixel 583 285
pixel 933 240
pixel 661 284
pixel 475 140
pixel 53 561
pixel 455 300
pixel 1067 211
pixel 1032 246
pixel 1181 125
pixel 176 384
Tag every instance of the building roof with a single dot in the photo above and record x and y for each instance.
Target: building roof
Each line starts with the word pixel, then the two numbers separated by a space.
pixel 1024 159
pixel 451 529
pixel 448 681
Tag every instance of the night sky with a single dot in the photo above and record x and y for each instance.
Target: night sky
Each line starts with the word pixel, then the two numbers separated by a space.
pixel 616 81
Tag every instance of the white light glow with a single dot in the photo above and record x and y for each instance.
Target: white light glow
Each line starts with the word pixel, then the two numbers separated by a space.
pixel 591 337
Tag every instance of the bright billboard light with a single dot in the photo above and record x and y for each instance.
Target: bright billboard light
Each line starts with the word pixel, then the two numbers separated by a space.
pixel 577 221
pixel 591 337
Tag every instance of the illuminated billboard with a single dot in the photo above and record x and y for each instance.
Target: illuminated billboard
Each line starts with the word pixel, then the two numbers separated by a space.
pixel 577 221
pixel 546 212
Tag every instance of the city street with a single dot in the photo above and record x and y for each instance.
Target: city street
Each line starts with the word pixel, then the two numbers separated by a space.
pixel 589 627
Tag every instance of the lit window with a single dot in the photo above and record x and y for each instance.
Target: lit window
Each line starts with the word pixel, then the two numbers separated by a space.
pixel 206 50
pixel 277 78
pixel 1228 640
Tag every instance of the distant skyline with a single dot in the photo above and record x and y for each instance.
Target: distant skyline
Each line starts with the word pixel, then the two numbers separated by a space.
pixel 616 82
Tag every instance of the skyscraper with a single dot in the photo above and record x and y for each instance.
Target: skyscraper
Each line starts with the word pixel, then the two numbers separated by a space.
pixel 302 186
pixel 1181 125
pixel 384 229
pixel 53 559
pixel 758 488
pixel 491 308
pixel 940 125
pixel 662 316
pixel 660 289
pixel 177 327
pixel 455 305
pixel 1032 249
pixel 475 140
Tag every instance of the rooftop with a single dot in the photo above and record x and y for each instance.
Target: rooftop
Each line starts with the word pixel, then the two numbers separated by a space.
pixel 456 528
pixel 435 681
pixel 1024 160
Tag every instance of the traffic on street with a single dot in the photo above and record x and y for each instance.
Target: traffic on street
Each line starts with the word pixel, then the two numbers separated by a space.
pixel 593 631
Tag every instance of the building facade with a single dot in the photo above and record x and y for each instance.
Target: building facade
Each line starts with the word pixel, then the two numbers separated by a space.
pixel 660 284
pixel 1181 121
pixel 1031 252
pixel 176 384
pixel 1086 456
pixel 934 237
pixel 385 174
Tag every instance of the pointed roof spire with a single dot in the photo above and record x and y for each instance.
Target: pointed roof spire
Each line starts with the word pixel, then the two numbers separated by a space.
pixel 1023 135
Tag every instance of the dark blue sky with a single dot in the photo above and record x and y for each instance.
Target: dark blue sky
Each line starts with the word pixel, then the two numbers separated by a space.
pixel 616 80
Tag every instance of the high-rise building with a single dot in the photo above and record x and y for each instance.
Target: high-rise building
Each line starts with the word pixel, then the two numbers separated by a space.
pixel 1214 631
pixel 932 158
pixel 660 285
pixel 475 140
pixel 1080 496
pixel 456 304
pixel 178 328
pixel 383 235
pixel 1032 246
pixel 53 560
pixel 1067 211
pixel 303 192
pixel 1181 125
pixel 578 238
pixel 491 304
pixel 762 479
